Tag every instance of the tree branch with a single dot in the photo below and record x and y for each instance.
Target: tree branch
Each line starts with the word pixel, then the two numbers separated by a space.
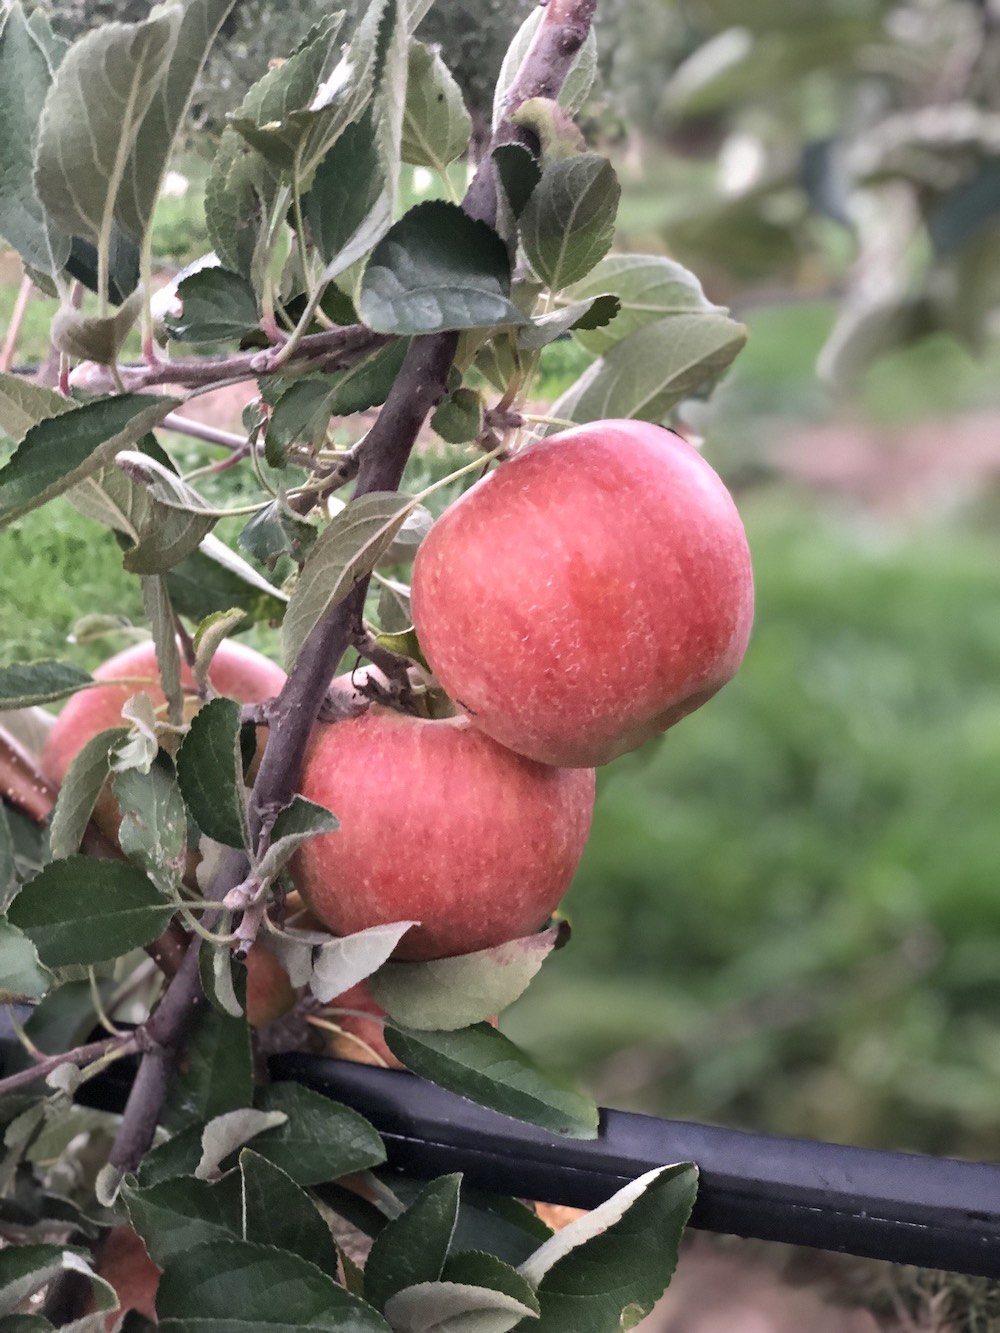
pixel 79 1056
pixel 419 386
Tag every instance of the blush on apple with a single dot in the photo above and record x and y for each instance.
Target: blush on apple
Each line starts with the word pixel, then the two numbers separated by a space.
pixel 586 595
pixel 237 672
pixel 438 824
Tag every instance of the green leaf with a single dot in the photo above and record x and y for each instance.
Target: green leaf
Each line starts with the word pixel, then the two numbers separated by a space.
pixel 305 407
pixel 209 638
pixel 347 551
pixel 26 684
pixel 81 910
pixel 217 1073
pixel 8 860
pixel 344 962
pixel 92 114
pixel 486 1270
pixel 349 198
pixel 160 614
pixel 649 372
pixel 375 62
pixel 26 1269
pixel 216 306
pixel 460 417
pixel 299 821
pixel 241 1287
pixel 95 337
pixel 181 1214
pixel 277 531
pixel 517 175
pixel 649 288
pixel 452 1306
pixel 210 772
pixel 416 526
pixel 592 313
pixel 24 404
pixel 153 831
pixel 80 789
pixel 150 156
pixel 321 1139
pixel 436 125
pixel 568 224
pixel 178 1156
pixel 577 84
pixel 27 67
pixel 450 993
pixel 239 193
pixel 228 1132
pixel 57 453
pixel 617 1258
pixel 414 1246
pixel 219 976
pixel 436 269
pixel 215 578
pixel 277 1212
pixel 22 977
pixel 165 515
pixel 483 1065
pixel 265 116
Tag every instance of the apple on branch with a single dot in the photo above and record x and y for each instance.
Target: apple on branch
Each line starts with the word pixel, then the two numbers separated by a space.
pixel 440 825
pixel 587 594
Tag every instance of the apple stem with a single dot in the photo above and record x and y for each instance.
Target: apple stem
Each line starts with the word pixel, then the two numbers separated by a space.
pixel 421 384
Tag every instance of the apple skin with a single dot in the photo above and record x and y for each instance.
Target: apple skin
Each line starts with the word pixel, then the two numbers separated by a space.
pixel 122 1260
pixel 587 594
pixel 237 672
pixel 270 994
pixel 370 1048
pixel 441 825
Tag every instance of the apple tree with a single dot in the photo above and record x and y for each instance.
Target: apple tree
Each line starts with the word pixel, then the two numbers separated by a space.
pixel 148 853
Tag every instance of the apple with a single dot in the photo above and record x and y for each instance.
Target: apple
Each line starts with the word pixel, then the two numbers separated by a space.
pixel 270 994
pixel 361 1040
pixel 237 672
pixel 438 824
pixel 122 1260
pixel 587 594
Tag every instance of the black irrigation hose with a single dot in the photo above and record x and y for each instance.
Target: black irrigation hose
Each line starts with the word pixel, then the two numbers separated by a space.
pixel 933 1212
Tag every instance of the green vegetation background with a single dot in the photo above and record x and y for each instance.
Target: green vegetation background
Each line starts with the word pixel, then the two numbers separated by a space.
pixel 788 916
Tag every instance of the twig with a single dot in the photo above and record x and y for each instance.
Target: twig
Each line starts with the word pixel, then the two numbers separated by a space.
pixel 16 320
pixel 199 431
pixel 125 1044
pixel 335 350
pixel 421 384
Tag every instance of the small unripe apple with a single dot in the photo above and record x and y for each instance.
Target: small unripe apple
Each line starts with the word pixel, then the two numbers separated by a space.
pixel 587 594
pixel 122 1260
pixel 438 824
pixel 237 672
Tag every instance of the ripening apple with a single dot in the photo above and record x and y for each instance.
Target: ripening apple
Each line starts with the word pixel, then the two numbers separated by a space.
pixel 236 671
pixel 587 594
pixel 438 824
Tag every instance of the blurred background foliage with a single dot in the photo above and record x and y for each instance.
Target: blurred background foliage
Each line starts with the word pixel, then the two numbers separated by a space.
pixel 788 917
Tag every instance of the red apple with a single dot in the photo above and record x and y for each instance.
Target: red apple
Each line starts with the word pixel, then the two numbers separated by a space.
pixel 270 994
pixel 438 824
pixel 588 594
pixel 122 1260
pixel 237 672
pixel 361 1040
